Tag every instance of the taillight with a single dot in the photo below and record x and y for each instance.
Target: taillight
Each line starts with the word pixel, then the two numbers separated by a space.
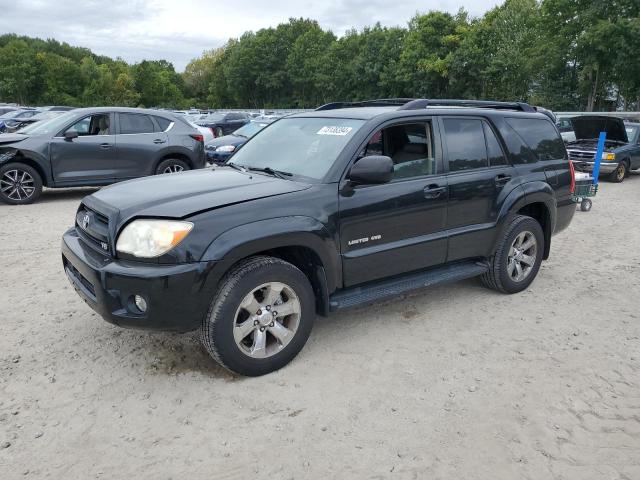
pixel 213 130
pixel 572 187
pixel 197 137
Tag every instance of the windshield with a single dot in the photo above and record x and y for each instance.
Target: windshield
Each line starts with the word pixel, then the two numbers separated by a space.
pixel 250 129
pixel 12 114
pixel 631 132
pixel 307 147
pixel 48 126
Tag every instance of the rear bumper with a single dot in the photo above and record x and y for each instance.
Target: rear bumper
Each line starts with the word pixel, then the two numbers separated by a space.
pixel 566 209
pixel 177 296
pixel 605 167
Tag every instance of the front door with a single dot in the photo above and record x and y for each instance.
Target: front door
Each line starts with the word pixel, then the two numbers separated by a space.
pixel 89 158
pixel 479 178
pixel 397 227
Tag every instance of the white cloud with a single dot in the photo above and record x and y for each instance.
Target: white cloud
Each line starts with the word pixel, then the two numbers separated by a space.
pixel 180 30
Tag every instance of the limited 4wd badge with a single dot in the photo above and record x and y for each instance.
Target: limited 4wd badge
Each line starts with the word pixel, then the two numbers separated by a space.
pixel 340 131
pixel 358 241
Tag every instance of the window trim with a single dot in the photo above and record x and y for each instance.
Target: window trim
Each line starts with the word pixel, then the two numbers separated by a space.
pixel 436 145
pixel 445 147
pixel 60 133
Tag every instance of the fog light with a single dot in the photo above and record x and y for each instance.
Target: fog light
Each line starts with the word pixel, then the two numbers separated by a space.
pixel 141 303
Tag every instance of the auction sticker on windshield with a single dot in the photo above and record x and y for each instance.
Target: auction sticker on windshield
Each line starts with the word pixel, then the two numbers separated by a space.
pixel 340 131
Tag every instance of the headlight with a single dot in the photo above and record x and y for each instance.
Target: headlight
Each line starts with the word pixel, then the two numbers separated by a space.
pixel 608 156
pixel 210 147
pixel 152 238
pixel 226 148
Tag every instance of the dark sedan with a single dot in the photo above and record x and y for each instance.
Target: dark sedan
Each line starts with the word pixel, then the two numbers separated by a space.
pixel 219 150
pixel 224 123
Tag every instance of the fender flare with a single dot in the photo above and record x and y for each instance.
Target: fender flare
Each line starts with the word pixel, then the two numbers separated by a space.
pixel 280 232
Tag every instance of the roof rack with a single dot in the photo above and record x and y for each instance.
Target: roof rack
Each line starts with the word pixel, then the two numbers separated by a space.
pixel 424 103
pixel 420 103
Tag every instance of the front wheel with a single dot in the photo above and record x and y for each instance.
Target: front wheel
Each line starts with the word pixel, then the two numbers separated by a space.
pixel 260 318
pixel 20 184
pixel 518 256
pixel 619 173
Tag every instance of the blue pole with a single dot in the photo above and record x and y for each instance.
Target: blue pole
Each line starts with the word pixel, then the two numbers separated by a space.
pixel 599 153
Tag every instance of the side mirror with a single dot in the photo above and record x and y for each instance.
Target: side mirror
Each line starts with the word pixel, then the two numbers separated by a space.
pixel 371 170
pixel 70 135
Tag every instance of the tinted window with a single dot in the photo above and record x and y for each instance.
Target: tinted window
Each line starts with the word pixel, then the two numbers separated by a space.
pixel 135 123
pixel 163 122
pixel 465 144
pixel 541 137
pixel 496 155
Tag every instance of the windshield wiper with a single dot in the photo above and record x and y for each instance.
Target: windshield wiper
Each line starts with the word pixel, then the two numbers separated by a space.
pixel 271 171
pixel 240 168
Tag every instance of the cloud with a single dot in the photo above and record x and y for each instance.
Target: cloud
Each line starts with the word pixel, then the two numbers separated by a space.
pixel 179 31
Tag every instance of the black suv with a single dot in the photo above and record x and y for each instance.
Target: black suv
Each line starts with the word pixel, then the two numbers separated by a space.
pixel 94 147
pixel 322 211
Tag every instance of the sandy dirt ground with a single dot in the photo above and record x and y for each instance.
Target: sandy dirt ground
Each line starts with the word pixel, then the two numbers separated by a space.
pixel 457 382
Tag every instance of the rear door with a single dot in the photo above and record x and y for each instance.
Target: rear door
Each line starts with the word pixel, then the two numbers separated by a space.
pixel 140 139
pixel 479 178
pixel 88 159
pixel 397 227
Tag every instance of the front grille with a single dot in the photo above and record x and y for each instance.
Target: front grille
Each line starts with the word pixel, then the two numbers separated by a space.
pixel 582 155
pixel 93 227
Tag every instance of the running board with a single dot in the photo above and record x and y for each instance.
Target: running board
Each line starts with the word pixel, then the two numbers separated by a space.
pixel 380 290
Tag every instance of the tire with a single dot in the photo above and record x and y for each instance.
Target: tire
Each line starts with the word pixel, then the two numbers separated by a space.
pixel 172 165
pixel 500 275
pixel 219 132
pixel 239 295
pixel 620 173
pixel 585 205
pixel 20 184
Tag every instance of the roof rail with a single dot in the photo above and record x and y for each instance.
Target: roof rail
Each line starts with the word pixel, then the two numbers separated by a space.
pixel 381 102
pixel 424 103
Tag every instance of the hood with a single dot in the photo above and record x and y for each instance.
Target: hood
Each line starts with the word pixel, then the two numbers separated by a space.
pixel 589 127
pixel 183 194
pixel 234 140
pixel 11 138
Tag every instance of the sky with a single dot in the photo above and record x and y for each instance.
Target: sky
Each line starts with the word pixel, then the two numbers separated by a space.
pixel 180 30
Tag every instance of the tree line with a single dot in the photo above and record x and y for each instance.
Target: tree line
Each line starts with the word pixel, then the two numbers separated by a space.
pixel 562 54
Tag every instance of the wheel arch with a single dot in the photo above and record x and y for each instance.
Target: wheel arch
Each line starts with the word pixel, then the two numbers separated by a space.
pixel 23 157
pixel 174 154
pixel 301 241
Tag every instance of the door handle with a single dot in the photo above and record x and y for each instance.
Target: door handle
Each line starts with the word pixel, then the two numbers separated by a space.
pixel 502 179
pixel 158 140
pixel 434 191
pixel 105 145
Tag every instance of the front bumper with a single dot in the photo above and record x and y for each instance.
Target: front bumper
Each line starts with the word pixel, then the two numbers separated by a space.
pixel 605 167
pixel 177 296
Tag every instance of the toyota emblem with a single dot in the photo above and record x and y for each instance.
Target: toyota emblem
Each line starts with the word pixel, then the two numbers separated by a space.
pixel 85 221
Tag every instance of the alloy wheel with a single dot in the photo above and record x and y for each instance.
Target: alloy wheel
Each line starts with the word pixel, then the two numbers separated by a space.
pixel 175 168
pixel 17 185
pixel 267 320
pixel 522 256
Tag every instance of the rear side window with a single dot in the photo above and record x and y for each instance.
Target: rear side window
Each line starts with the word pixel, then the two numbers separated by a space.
pixel 541 137
pixel 465 144
pixel 163 123
pixel 496 155
pixel 135 123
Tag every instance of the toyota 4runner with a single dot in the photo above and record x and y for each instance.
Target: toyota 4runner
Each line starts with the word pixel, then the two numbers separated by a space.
pixel 325 210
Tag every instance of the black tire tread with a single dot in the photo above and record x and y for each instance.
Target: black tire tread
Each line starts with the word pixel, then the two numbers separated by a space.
pixel 167 161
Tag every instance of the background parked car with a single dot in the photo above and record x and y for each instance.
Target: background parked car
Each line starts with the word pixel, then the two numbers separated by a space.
pixel 224 123
pixel 6 109
pixel 15 117
pixel 22 122
pixel 93 147
pixel 622 148
pixel 219 150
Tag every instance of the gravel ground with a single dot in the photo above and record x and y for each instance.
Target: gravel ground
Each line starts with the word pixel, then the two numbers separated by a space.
pixel 455 382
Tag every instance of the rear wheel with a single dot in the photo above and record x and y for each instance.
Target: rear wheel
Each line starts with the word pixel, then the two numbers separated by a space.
pixel 518 256
pixel 20 184
pixel 172 165
pixel 619 173
pixel 260 318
